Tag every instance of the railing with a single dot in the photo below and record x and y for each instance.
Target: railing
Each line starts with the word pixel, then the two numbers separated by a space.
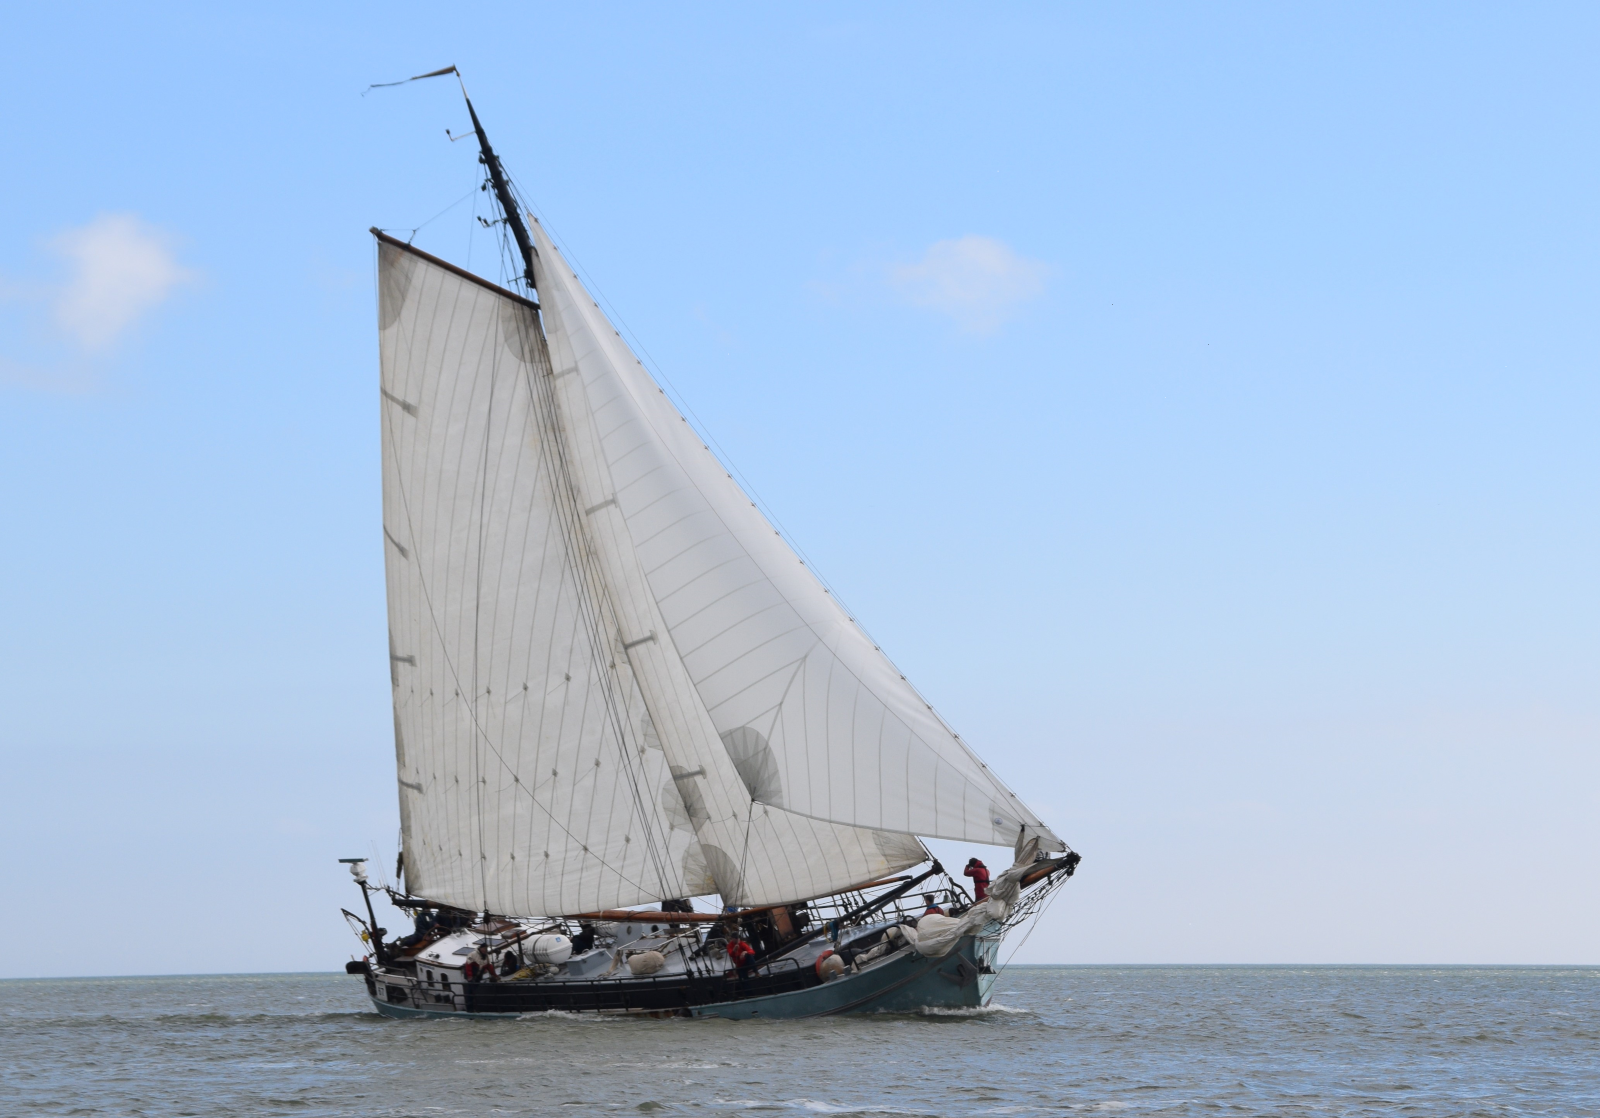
pixel 899 900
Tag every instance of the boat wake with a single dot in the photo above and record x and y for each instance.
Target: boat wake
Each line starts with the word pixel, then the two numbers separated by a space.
pixel 990 1010
pixel 569 1015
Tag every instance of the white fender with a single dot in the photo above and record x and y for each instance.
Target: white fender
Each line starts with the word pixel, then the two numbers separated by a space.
pixel 548 949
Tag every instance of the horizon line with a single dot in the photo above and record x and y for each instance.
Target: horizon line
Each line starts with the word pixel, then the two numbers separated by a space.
pixel 1008 966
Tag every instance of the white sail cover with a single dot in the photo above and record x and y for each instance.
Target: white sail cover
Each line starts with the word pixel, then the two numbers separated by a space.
pixel 546 761
pixel 815 719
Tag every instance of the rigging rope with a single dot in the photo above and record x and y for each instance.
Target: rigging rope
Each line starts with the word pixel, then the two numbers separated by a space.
pixel 594 601
pixel 441 213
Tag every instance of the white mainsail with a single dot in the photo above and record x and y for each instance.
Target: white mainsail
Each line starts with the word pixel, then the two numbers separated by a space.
pixel 548 762
pixel 814 718
pixel 528 783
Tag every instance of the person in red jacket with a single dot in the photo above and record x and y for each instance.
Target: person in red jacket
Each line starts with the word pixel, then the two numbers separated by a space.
pixel 739 954
pixel 980 877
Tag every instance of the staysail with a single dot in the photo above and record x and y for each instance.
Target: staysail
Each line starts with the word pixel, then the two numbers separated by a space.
pixel 814 719
pixel 546 758
pixel 757 852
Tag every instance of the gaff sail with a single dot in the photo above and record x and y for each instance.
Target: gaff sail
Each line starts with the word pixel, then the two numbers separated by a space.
pixel 552 756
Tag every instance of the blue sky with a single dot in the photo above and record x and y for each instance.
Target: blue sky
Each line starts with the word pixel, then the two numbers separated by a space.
pixel 1198 403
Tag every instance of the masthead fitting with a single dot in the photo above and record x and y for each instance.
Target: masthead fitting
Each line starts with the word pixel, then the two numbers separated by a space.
pixel 497 173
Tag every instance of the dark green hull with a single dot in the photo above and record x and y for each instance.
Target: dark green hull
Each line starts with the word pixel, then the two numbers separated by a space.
pixel 903 983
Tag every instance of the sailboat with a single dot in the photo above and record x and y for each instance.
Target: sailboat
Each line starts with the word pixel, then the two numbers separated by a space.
pixel 646 761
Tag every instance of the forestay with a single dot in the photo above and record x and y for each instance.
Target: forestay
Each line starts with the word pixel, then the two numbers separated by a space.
pixel 815 719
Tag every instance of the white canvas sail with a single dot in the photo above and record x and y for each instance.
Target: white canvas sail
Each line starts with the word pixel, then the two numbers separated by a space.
pixel 815 720
pixel 757 853
pixel 543 755
pixel 531 778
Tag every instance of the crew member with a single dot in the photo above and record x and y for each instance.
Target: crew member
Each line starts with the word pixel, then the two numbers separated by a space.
pixel 425 921
pixel 739 952
pixel 482 966
pixel 980 877
pixel 933 908
pixel 584 940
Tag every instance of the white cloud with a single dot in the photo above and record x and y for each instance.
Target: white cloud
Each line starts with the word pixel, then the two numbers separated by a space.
pixel 978 281
pixel 118 268
pixel 121 269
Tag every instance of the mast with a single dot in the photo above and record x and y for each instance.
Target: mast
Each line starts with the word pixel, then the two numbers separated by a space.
pixel 502 193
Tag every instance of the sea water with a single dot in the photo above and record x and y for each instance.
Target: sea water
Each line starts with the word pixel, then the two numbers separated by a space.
pixel 1393 1041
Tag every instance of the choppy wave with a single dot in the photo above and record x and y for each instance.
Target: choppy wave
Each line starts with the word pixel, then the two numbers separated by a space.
pixel 815 1106
pixel 1301 1042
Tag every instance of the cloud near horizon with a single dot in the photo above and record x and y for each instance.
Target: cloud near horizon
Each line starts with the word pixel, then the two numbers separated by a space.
pixel 980 282
pixel 119 268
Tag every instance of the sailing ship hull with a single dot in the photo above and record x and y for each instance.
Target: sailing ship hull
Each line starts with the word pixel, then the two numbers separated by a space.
pixel 905 982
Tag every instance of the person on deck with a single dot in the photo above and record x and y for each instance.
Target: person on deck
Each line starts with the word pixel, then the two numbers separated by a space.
pixel 739 951
pixel 761 932
pixel 584 940
pixel 482 967
pixel 980 878
pixel 933 908
pixel 424 925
